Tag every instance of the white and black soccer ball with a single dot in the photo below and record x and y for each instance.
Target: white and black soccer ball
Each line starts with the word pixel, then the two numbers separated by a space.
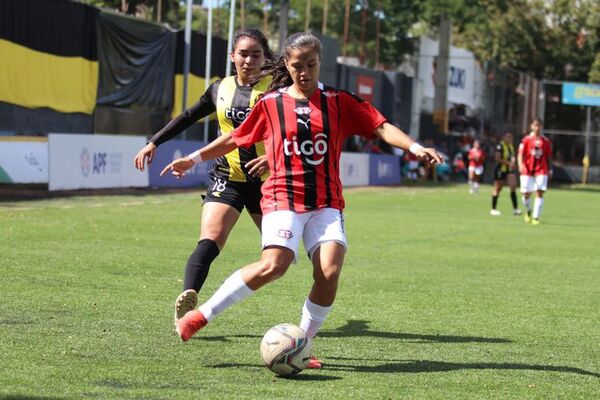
pixel 286 349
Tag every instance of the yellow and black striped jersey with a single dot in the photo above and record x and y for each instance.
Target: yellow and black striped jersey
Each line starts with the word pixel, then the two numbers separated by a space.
pixel 232 103
pixel 507 152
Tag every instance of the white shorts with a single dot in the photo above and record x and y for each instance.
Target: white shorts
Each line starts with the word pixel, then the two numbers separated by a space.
pixel 531 184
pixel 476 170
pixel 284 228
pixel 413 165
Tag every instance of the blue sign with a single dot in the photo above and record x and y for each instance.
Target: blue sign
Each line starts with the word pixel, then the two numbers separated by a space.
pixel 384 169
pixel 167 152
pixel 581 94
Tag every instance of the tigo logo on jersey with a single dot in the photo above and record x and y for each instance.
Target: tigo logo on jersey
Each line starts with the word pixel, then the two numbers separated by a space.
pixel 302 110
pixel 307 148
pixel 236 114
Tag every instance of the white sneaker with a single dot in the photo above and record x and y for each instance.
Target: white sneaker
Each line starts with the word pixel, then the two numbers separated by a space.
pixel 495 213
pixel 517 211
pixel 185 302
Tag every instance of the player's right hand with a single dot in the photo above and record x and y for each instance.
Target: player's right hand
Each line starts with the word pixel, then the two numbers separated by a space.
pixel 145 155
pixel 178 167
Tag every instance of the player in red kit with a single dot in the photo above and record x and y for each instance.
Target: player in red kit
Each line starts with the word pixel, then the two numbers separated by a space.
pixel 535 152
pixel 303 125
pixel 476 158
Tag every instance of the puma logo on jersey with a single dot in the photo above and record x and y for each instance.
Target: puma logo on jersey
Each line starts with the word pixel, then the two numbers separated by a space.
pixel 305 123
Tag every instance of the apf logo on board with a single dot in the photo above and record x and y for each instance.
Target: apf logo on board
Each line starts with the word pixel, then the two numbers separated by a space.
pixel 85 162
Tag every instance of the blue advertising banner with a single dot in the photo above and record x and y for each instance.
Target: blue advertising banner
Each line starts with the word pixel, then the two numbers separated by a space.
pixel 581 94
pixel 384 169
pixel 167 152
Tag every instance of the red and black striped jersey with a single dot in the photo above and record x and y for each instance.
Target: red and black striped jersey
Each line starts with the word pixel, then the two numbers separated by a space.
pixel 303 143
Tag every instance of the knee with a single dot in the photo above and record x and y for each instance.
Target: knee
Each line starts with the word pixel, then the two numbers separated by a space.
pixel 273 268
pixel 328 275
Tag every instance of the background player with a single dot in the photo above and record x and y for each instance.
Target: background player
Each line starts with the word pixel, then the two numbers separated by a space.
pixel 505 171
pixel 303 125
pixel 236 177
pixel 476 159
pixel 535 152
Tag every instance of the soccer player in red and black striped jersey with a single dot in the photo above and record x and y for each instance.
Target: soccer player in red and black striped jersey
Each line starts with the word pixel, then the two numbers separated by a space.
pixel 303 125
pixel 535 152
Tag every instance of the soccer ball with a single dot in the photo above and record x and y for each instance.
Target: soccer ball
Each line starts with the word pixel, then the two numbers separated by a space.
pixel 286 349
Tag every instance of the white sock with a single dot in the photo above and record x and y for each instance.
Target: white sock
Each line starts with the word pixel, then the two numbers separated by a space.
pixel 537 207
pixel 232 291
pixel 526 203
pixel 313 316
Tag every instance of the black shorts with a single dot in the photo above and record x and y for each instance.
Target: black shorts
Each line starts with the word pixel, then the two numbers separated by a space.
pixel 235 194
pixel 500 175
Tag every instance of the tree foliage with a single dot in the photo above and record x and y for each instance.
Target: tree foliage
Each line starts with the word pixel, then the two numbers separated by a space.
pixel 557 39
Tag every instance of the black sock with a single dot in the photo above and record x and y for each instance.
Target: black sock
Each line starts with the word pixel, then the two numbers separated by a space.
pixel 196 269
pixel 494 202
pixel 513 198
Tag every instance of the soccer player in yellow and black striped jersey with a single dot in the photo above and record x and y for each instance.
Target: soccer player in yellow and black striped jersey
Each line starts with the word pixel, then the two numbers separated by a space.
pixel 505 171
pixel 236 178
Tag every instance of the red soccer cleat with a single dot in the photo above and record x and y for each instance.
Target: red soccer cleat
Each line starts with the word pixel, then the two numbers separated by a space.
pixel 314 363
pixel 189 324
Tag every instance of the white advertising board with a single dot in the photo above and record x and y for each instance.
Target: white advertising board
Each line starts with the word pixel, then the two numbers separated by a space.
pixel 23 161
pixel 354 169
pixel 461 72
pixel 94 161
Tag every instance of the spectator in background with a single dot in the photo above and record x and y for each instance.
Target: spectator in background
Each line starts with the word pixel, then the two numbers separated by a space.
pixel 505 172
pixel 476 160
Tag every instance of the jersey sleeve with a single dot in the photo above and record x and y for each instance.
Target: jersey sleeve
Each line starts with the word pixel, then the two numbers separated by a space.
pixel 253 128
pixel 359 117
pixel 203 107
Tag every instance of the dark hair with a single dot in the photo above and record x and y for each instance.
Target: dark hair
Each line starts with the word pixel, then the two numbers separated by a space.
pixel 299 40
pixel 538 120
pixel 260 37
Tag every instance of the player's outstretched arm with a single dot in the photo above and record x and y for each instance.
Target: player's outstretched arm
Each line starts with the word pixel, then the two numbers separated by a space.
pixel 218 147
pixel 395 137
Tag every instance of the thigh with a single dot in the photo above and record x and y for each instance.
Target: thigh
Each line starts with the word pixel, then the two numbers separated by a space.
pixel 283 229
pixel 511 180
pixel 328 259
pixel 325 225
pixel 218 220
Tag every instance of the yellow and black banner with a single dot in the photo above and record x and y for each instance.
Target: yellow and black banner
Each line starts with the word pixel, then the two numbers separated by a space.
pixel 48 55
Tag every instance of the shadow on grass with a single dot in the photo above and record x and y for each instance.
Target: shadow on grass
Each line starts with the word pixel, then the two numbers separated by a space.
pixel 420 366
pixel 304 376
pixel 361 328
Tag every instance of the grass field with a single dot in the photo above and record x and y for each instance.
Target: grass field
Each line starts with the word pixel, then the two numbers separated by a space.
pixel 438 300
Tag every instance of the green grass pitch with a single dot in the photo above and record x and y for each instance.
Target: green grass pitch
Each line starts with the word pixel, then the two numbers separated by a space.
pixel 438 300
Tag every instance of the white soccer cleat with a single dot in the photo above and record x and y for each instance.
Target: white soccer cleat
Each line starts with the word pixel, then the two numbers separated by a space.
pixel 495 213
pixel 517 211
pixel 185 302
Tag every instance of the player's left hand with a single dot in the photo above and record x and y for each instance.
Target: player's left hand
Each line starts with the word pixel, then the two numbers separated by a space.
pixel 430 155
pixel 258 166
pixel 178 167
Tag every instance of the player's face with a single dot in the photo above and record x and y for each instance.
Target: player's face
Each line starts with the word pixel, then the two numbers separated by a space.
pixel 536 127
pixel 508 138
pixel 248 57
pixel 303 66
